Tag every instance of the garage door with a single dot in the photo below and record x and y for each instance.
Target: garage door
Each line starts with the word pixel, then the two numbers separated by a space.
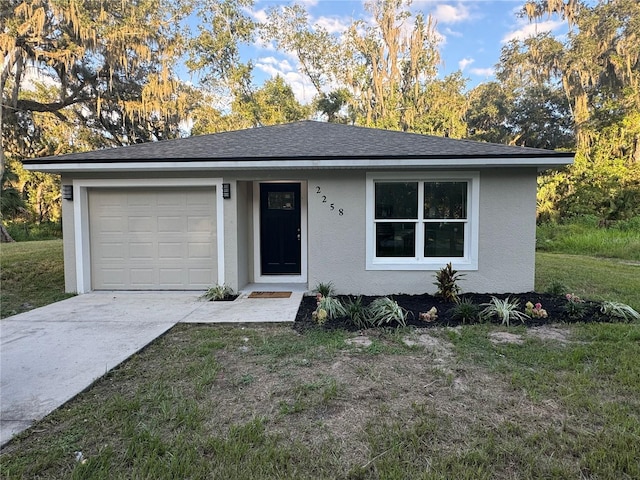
pixel 152 239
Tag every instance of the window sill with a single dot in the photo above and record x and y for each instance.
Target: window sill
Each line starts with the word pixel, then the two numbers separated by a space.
pixel 431 265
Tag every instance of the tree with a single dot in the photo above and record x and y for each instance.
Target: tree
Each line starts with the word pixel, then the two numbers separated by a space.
pixel 489 113
pixel 386 68
pixel 215 49
pixel 273 103
pixel 332 104
pixel 381 71
pixel 318 52
pixel 442 108
pixel 100 70
pixel 597 68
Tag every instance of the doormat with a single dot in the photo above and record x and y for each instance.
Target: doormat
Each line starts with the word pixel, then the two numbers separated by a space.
pixel 270 295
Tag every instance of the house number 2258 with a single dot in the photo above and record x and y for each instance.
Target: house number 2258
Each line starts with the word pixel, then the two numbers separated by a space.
pixel 332 206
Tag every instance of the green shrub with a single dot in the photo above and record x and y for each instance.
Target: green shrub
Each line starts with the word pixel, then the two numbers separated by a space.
pixel 446 281
pixel 575 308
pixel 620 311
pixel 505 310
pixel 556 287
pixel 325 289
pixel 332 306
pixel 218 293
pixel 465 310
pixel 29 231
pixel 385 310
pixel 356 312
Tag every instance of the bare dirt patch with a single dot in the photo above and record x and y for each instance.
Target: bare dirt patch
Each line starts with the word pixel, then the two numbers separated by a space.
pixel 549 332
pixel 320 397
pixel 506 337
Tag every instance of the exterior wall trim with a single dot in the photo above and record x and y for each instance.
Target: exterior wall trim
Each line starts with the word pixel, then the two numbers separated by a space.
pixel 81 217
pixel 284 164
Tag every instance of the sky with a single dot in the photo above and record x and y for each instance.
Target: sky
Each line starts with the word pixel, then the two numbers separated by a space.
pixel 472 35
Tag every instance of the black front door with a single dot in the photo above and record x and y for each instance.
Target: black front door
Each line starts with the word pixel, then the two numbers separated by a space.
pixel 280 245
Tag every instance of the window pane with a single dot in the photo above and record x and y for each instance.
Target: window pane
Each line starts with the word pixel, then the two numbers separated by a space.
pixel 445 200
pixel 395 239
pixel 444 239
pixel 397 200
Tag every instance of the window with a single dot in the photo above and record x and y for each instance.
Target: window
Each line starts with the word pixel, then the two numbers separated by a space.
pixel 422 221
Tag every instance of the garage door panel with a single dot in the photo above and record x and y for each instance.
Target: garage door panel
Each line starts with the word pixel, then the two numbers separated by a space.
pixel 170 251
pixel 170 224
pixel 199 250
pixel 199 224
pixel 172 276
pixel 141 250
pixel 113 278
pixel 142 199
pixel 141 225
pixel 198 276
pixel 194 199
pixel 113 251
pixel 109 224
pixel 152 239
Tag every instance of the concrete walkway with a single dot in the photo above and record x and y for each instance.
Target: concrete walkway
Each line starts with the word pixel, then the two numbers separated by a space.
pixel 50 354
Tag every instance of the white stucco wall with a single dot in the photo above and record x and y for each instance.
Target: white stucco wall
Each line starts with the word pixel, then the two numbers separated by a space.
pixel 506 237
pixel 69 246
pixel 336 242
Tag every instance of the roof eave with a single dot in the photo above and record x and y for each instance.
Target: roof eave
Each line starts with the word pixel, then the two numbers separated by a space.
pixel 539 162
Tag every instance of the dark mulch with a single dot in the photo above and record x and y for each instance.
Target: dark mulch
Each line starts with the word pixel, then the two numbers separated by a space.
pixel 414 304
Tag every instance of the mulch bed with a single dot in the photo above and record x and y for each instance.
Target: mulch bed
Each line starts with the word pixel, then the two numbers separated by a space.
pixel 414 304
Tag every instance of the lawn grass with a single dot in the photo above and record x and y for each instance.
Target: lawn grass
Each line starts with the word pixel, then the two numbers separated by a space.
pixel 590 277
pixel 31 275
pixel 224 401
pixel 583 237
pixel 265 402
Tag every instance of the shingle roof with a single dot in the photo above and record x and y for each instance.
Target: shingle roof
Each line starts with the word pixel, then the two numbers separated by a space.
pixel 303 140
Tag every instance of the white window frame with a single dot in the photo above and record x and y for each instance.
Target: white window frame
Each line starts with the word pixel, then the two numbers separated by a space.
pixel 469 261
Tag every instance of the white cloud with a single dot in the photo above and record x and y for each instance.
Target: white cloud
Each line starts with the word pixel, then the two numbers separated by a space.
pixel 444 13
pixel 308 3
pixel 483 72
pixel 258 15
pixel 452 33
pixel 527 30
pixel 333 24
pixel 464 63
pixel 303 89
pixel 282 65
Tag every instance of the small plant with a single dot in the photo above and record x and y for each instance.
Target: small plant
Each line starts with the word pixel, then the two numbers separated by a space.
pixel 319 316
pixel 465 310
pixel 575 307
pixel 385 310
pixel 218 293
pixel 535 311
pixel 620 311
pixel 446 281
pixel 325 289
pixel 430 316
pixel 356 312
pixel 556 287
pixel 328 308
pixel 505 310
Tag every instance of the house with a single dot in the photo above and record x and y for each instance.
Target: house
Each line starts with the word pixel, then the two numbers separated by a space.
pixel 373 211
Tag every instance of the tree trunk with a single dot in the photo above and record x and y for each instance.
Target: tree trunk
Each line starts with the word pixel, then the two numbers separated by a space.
pixel 4 235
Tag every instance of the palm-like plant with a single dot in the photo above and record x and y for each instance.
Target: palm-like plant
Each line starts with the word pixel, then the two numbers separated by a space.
pixel 385 310
pixel 505 310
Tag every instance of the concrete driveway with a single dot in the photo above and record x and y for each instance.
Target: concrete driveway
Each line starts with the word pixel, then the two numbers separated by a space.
pixel 50 354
